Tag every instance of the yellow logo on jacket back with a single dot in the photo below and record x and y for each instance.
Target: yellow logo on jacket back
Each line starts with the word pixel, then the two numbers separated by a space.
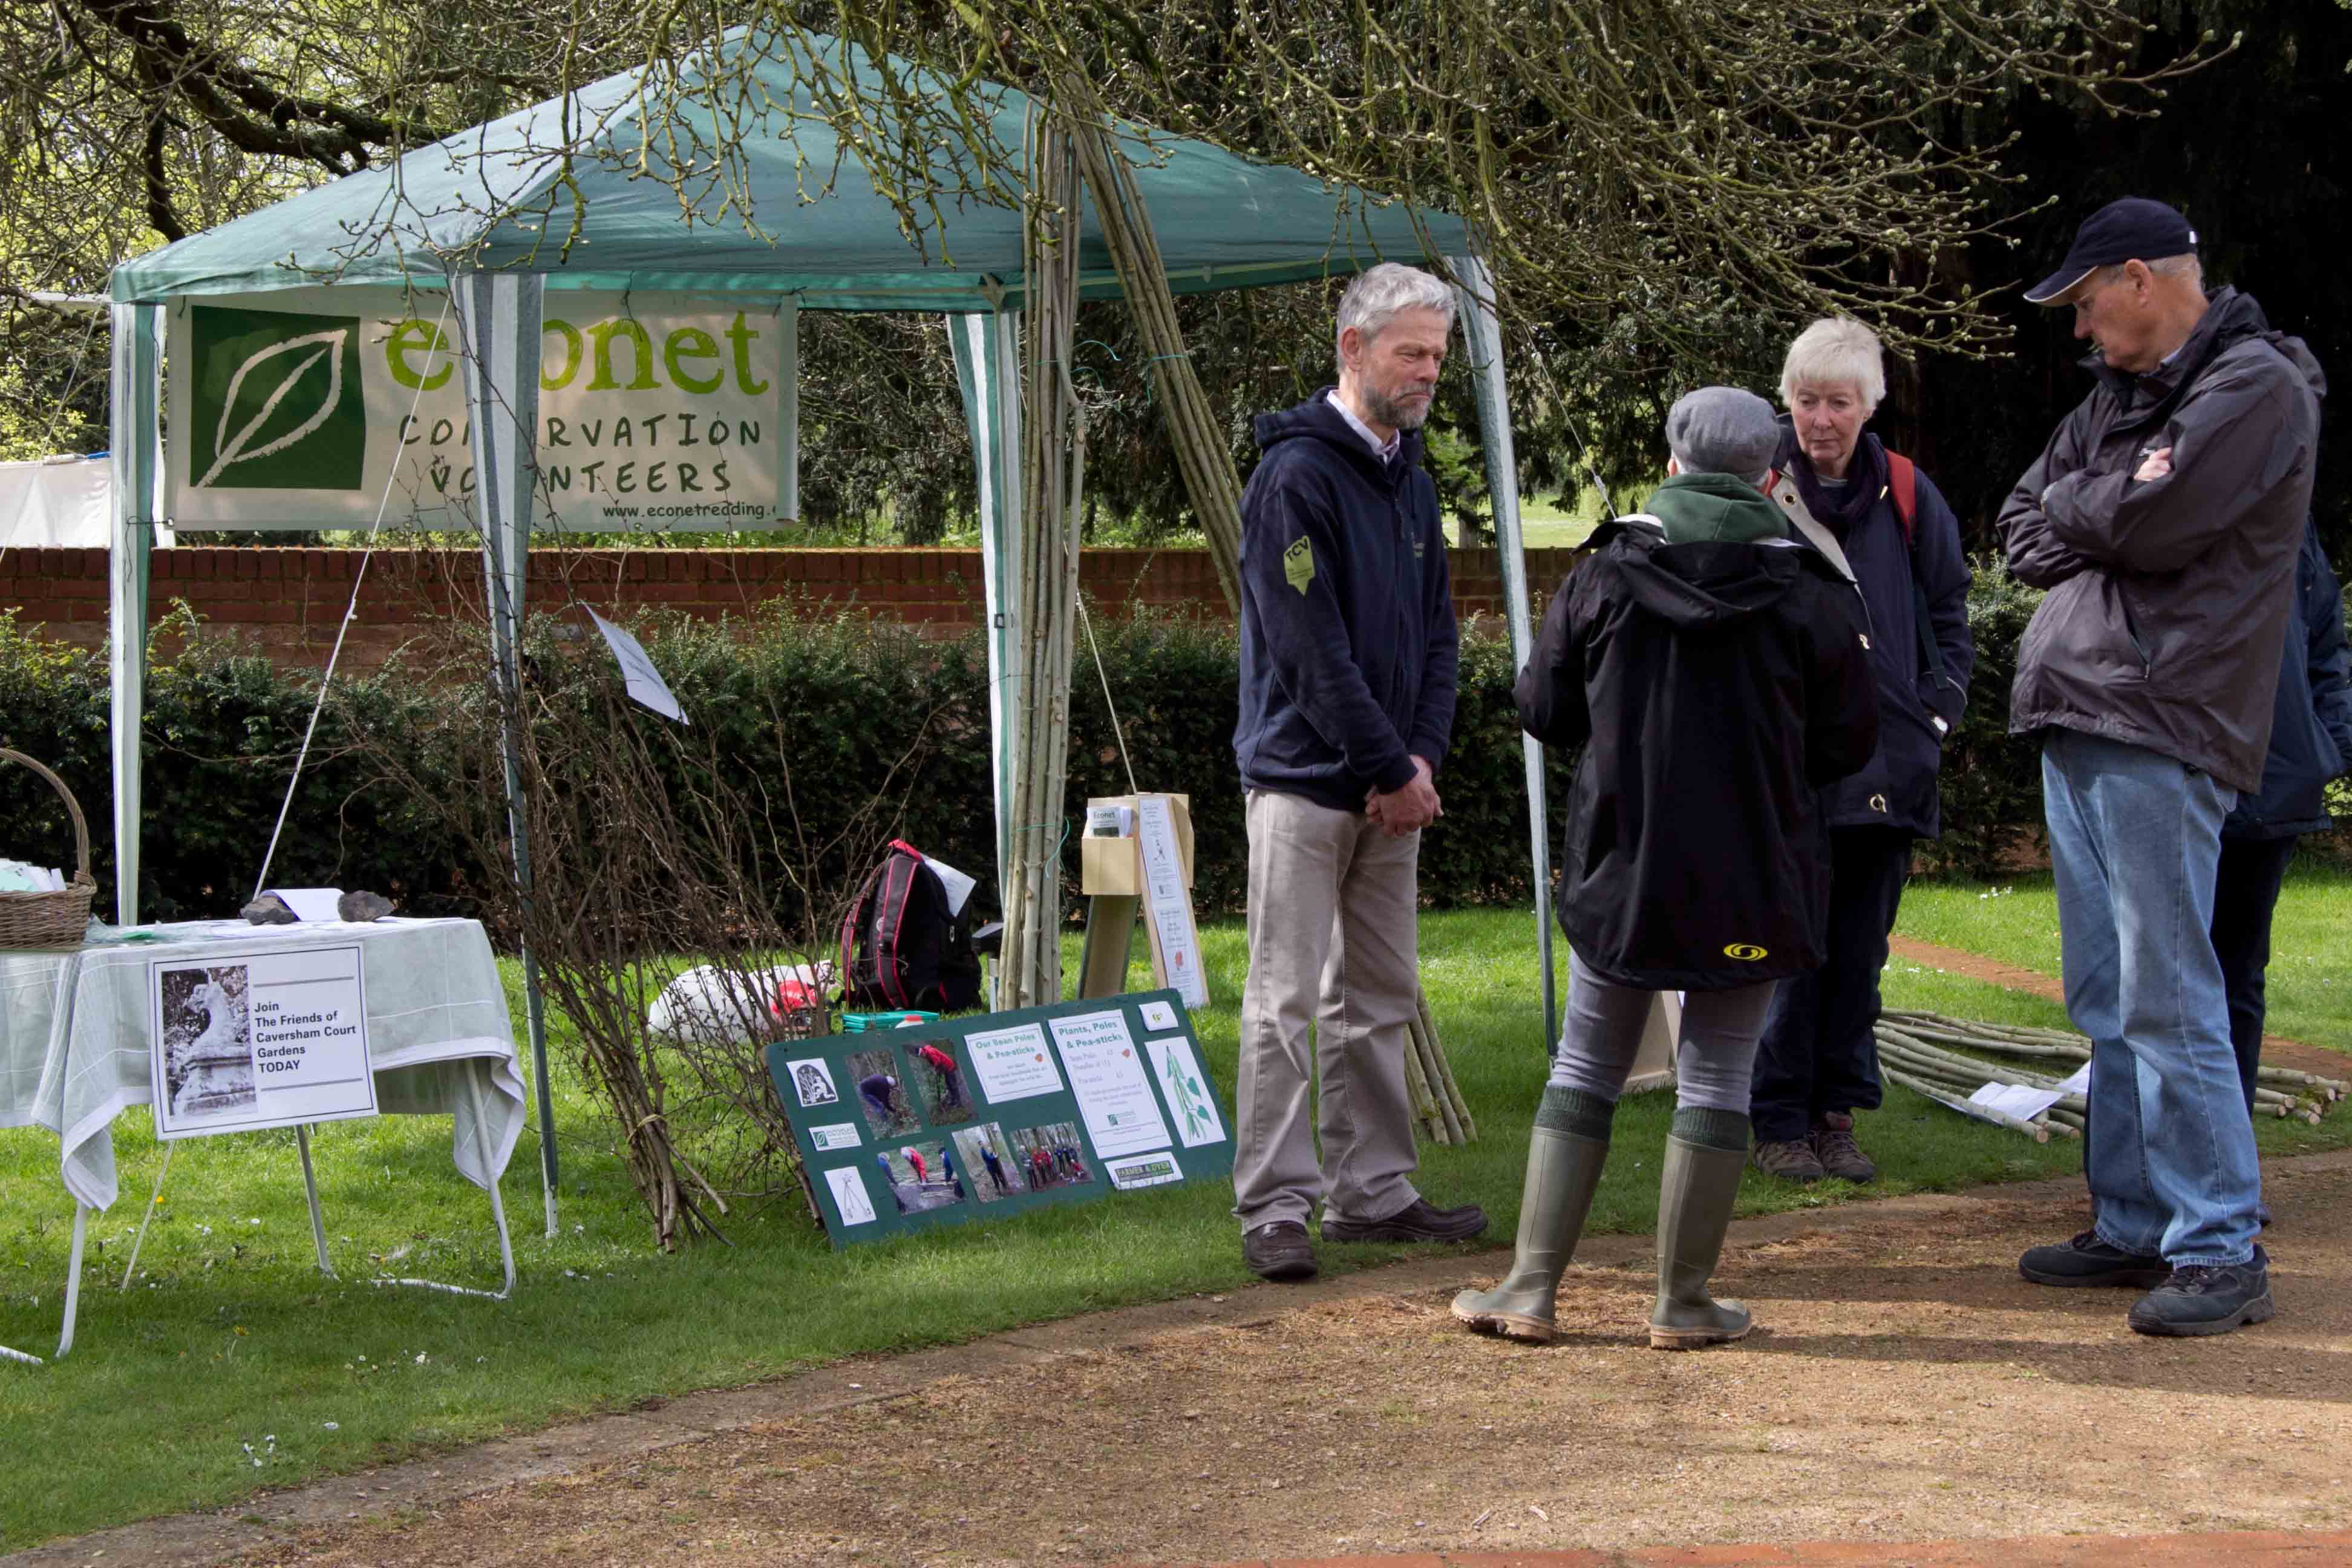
pixel 1746 951
pixel 1299 564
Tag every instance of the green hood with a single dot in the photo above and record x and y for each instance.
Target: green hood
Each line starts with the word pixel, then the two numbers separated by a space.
pixel 1714 507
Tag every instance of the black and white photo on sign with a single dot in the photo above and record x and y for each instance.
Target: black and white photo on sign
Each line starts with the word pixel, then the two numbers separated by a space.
pixel 208 1044
pixel 813 1082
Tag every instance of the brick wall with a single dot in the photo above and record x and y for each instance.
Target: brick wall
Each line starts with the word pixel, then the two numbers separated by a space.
pixel 290 599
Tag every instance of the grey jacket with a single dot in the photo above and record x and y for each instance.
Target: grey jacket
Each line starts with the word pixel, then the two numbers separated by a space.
pixel 2168 600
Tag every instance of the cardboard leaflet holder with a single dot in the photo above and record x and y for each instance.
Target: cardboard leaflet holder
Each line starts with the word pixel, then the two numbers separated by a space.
pixel 1115 872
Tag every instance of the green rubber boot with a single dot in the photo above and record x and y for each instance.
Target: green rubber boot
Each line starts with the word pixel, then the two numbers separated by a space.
pixel 1569 1145
pixel 1696 1189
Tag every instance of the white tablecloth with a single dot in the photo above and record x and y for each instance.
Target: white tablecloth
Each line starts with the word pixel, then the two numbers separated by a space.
pixel 73 1036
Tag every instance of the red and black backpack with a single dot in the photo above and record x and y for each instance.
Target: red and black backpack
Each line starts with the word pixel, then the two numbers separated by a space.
pixel 899 945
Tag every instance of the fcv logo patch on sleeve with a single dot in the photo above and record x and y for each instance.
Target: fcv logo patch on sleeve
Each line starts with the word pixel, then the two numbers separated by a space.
pixel 275 401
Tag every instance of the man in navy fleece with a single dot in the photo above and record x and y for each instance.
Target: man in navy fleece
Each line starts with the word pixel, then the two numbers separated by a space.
pixel 1346 701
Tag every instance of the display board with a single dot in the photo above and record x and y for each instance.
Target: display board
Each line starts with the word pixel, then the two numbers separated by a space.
pixel 979 1117
pixel 307 407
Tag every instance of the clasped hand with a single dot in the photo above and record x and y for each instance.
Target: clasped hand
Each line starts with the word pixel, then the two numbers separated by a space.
pixel 1408 808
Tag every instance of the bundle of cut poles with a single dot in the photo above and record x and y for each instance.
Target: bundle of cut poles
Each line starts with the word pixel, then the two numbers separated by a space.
pixel 1942 1057
pixel 1437 1102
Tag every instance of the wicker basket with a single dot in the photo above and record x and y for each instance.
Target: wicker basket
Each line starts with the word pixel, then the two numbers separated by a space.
pixel 51 919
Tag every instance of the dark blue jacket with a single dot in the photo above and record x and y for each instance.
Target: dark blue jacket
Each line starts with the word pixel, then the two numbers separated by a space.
pixel 2311 729
pixel 1897 788
pixel 1349 647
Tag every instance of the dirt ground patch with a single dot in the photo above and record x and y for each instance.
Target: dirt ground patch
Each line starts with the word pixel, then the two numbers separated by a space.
pixel 1905 1385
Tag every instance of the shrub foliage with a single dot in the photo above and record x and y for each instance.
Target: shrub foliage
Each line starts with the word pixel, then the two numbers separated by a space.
pixel 819 714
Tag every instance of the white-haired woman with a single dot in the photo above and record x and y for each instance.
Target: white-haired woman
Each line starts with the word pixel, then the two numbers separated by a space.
pixel 1869 509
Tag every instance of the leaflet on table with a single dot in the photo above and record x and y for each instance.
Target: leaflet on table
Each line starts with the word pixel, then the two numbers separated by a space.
pixel 1013 1064
pixel 312 906
pixel 1107 1079
pixel 259 1038
pixel 1186 1091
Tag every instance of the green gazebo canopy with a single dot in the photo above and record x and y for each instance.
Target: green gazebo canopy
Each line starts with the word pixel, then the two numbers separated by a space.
pixel 804 219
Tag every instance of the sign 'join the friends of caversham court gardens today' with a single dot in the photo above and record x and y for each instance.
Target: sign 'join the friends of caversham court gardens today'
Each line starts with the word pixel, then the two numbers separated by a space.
pixel 656 412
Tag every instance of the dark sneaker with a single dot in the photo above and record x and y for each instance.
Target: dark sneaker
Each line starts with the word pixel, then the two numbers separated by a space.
pixel 2088 1260
pixel 1279 1250
pixel 1790 1161
pixel 2201 1298
pixel 1418 1221
pixel 1840 1156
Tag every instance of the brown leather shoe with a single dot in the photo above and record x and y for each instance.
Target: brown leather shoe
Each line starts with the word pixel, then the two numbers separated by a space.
pixel 1279 1250
pixel 1791 1160
pixel 1840 1155
pixel 1419 1220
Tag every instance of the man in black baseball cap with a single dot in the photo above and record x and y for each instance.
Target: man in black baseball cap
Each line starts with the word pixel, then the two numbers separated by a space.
pixel 2164 519
pixel 2132 229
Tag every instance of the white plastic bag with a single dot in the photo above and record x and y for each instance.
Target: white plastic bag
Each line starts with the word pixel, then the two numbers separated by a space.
pixel 710 1005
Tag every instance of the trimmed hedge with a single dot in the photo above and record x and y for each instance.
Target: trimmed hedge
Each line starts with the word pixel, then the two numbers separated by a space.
pixel 834 703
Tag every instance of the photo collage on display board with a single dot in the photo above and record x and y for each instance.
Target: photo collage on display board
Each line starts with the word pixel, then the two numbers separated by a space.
pixel 994 1113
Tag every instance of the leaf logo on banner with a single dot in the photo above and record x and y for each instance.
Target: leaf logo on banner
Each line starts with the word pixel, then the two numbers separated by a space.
pixel 239 448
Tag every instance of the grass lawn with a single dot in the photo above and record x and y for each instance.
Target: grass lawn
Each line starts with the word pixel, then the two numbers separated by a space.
pixel 2017 922
pixel 232 1365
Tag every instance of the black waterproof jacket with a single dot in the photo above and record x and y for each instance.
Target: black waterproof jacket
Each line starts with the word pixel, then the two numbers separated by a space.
pixel 1897 788
pixel 2167 600
pixel 1348 646
pixel 1715 689
pixel 2311 722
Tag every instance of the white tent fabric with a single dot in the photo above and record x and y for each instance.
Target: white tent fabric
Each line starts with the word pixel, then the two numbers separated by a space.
pixel 60 503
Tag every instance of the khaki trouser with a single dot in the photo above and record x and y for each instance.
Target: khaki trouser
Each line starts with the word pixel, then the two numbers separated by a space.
pixel 1332 943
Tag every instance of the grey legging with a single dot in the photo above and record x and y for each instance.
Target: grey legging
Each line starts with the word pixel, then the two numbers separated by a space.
pixel 1602 1034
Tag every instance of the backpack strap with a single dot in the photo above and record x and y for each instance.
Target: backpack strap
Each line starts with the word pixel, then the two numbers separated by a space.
pixel 1903 489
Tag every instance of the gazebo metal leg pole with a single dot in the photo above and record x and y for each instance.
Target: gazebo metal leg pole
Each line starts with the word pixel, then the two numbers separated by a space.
pixel 476 1071
pixel 499 317
pixel 73 1279
pixel 1481 332
pixel 148 1214
pixel 310 1190
pixel 988 360
pixel 136 432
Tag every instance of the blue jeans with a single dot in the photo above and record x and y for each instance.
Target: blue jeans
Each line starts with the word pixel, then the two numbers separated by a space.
pixel 2169 1157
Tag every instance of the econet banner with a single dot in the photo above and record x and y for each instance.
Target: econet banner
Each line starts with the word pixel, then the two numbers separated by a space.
pixel 314 407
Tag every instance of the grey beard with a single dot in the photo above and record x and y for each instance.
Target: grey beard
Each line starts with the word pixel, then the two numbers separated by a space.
pixel 1393 414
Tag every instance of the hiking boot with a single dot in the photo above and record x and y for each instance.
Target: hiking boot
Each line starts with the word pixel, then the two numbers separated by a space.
pixel 1840 1155
pixel 2207 1298
pixel 1279 1250
pixel 1565 1154
pixel 1697 1185
pixel 1792 1160
pixel 2088 1260
pixel 1419 1220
